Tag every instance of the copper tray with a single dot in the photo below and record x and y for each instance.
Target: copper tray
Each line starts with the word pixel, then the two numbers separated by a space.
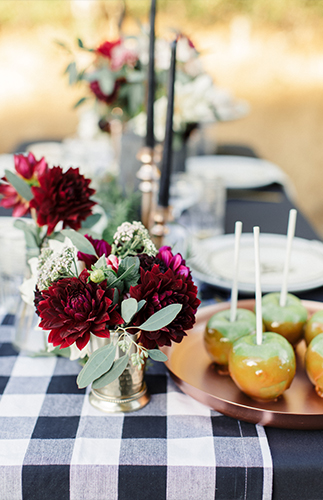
pixel 192 370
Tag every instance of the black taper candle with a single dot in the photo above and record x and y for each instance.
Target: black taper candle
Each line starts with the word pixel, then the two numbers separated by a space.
pixel 150 138
pixel 168 147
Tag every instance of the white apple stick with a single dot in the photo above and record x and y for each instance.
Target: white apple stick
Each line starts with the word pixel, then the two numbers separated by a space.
pixel 290 236
pixel 258 287
pixel 234 290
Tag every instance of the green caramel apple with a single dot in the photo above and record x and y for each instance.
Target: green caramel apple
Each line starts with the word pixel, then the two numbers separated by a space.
pixel 314 363
pixel 264 371
pixel 220 332
pixel 313 327
pixel 288 321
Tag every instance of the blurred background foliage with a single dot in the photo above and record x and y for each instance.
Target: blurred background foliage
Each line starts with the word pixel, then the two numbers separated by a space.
pixel 268 52
pixel 279 13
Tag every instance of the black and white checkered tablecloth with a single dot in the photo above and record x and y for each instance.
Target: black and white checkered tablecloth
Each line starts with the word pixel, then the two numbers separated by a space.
pixel 54 445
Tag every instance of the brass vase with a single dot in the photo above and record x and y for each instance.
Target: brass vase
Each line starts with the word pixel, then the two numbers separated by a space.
pixel 128 392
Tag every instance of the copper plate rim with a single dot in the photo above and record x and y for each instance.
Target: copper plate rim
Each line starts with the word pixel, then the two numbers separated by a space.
pixel 235 404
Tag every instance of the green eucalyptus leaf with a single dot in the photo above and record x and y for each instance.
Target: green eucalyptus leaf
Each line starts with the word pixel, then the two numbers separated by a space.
pixel 80 43
pixel 157 355
pixel 19 184
pixel 79 102
pixel 128 309
pixel 99 362
pixel 126 274
pixel 161 318
pixel 90 221
pixel 116 295
pixel 129 271
pixel 31 235
pixel 81 243
pixel 117 369
pixel 141 304
pixel 72 73
pixel 101 262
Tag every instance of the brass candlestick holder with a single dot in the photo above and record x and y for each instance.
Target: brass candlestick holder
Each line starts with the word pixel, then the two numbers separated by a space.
pixel 159 230
pixel 149 175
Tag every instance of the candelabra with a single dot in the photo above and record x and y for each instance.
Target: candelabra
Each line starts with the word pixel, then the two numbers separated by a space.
pixel 149 175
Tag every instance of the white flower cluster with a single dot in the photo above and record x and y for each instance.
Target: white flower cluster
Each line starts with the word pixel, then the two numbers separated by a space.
pixel 54 265
pixel 135 235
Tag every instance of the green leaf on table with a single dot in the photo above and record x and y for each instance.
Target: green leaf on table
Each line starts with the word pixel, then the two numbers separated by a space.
pixel 118 367
pixel 161 318
pixel 157 355
pixel 90 221
pixel 81 243
pixel 128 309
pixel 98 363
pixel 21 186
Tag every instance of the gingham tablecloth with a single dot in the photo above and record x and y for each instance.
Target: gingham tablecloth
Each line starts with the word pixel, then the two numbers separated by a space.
pixel 54 445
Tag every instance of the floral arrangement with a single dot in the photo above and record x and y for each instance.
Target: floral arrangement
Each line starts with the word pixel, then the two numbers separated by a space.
pixel 117 74
pixel 114 77
pixel 197 98
pixel 89 287
pixel 55 199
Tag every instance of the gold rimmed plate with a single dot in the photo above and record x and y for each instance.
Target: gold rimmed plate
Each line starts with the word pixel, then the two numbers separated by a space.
pixel 193 371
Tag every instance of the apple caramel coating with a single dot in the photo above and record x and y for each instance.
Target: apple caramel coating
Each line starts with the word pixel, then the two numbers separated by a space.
pixel 313 327
pixel 220 333
pixel 289 320
pixel 314 363
pixel 264 371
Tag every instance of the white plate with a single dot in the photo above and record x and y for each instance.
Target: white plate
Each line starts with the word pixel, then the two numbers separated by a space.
pixel 212 262
pixel 237 172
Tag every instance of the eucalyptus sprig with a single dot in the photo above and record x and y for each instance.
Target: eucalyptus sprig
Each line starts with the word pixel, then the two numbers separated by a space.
pixel 102 368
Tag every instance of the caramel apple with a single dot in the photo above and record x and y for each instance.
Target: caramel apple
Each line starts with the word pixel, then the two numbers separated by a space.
pixel 313 327
pixel 262 371
pixel 288 320
pixel 314 363
pixel 220 332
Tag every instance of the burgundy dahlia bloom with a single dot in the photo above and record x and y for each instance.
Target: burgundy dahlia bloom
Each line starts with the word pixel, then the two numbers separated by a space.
pixel 159 289
pixel 62 196
pixel 29 169
pixel 101 247
pixel 71 309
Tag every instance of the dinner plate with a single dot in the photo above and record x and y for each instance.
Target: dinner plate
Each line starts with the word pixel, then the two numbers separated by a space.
pixel 237 172
pixel 212 260
pixel 193 371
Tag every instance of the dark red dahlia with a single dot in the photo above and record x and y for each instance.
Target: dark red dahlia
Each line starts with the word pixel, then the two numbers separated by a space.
pixel 62 196
pixel 101 247
pixel 29 169
pixel 160 289
pixel 71 309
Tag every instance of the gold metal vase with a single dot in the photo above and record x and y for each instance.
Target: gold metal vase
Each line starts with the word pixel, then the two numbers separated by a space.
pixel 125 394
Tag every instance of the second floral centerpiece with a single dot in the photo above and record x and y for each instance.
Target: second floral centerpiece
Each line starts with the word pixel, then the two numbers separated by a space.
pixel 114 306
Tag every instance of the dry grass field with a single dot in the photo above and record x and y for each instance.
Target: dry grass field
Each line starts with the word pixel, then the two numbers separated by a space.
pixel 277 69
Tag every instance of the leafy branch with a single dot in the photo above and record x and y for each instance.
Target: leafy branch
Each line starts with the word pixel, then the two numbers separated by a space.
pixel 102 368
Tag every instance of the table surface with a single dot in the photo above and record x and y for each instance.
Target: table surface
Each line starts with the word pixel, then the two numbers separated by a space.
pixel 54 445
